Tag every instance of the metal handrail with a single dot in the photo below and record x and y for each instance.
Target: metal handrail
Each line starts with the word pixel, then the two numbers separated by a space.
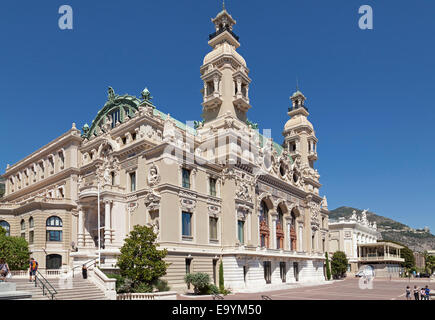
pixel 81 266
pixel 45 286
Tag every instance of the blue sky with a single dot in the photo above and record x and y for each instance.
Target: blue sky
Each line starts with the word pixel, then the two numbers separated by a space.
pixel 370 93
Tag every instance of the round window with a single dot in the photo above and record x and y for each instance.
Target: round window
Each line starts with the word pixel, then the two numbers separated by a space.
pixel 295 176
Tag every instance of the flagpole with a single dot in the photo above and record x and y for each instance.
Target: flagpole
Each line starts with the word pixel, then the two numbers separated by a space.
pixel 99 226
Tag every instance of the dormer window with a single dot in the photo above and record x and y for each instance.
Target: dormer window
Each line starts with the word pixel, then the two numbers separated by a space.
pixel 115 115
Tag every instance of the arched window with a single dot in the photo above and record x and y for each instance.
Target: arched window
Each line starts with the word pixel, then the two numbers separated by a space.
pixel 31 223
pixel 54 222
pixel 280 229
pixel 6 226
pixel 264 213
pixel 54 229
pixel 53 261
pixel 264 225
pixel 23 225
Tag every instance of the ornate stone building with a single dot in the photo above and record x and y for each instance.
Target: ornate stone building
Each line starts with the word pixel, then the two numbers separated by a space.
pixel 347 235
pixel 215 191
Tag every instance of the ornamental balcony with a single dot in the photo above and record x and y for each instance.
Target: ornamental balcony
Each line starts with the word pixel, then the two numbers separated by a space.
pixel 312 155
pixel 241 102
pixel 212 101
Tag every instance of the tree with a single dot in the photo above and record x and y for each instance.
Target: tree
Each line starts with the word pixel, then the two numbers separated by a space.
pixel 339 264
pixel 328 270
pixel 429 261
pixel 140 260
pixel 221 277
pixel 15 251
pixel 408 255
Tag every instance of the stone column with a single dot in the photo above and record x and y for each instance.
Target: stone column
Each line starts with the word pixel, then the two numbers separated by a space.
pixel 80 233
pixel 107 224
pixel 274 217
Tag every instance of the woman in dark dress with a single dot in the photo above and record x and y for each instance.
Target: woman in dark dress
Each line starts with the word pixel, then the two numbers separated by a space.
pixel 84 272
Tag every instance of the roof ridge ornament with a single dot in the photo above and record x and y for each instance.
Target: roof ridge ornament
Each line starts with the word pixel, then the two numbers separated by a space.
pixel 146 94
pixel 111 94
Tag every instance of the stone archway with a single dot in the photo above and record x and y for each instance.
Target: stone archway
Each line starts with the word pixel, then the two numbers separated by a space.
pixel 53 262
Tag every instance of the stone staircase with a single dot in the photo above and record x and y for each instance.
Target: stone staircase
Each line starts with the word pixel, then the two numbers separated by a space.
pixel 81 289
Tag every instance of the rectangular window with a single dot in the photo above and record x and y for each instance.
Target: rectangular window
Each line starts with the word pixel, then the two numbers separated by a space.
pixel 282 271
pixel 263 240
pixel 213 187
pixel 241 231
pixel 188 263
pixel 23 235
pixel 213 228
pixel 267 266
pixel 31 235
pixel 133 181
pixel 54 235
pixel 187 224
pixel 186 178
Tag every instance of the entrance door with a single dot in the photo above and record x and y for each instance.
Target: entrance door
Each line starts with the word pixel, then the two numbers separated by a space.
pixel 53 261
pixel 245 273
pixel 267 265
pixel 296 270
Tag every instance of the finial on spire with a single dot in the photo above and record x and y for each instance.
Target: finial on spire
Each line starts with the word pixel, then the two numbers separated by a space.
pixel 223 4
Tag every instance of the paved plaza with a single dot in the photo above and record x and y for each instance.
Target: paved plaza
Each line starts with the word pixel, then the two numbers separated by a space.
pixel 383 289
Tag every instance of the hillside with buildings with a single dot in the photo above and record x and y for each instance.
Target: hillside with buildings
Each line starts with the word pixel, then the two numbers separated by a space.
pixel 416 239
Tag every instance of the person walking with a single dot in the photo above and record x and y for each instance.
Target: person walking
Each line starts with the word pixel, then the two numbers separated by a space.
pixel 33 267
pixel 427 293
pixel 408 293
pixel 84 272
pixel 416 293
pixel 422 294
pixel 4 270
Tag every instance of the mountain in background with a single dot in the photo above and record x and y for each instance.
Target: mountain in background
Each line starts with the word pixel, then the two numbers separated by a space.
pixel 418 240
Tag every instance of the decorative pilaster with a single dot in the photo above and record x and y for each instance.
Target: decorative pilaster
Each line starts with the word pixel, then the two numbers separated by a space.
pixel 80 232
pixel 274 217
pixel 107 223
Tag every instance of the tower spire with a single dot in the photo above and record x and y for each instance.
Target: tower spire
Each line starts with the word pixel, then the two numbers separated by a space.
pixel 223 4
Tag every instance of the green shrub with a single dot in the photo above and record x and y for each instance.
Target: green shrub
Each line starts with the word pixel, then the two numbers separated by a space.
pixel 119 280
pixel 15 250
pixel 200 282
pixel 226 291
pixel 212 289
pixel 339 264
pixel 126 287
pixel 161 285
pixel 143 288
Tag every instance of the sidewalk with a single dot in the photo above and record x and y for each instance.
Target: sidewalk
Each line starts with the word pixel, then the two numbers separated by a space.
pixel 284 286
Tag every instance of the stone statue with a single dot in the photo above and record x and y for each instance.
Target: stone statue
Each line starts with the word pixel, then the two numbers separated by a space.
pixel 153 175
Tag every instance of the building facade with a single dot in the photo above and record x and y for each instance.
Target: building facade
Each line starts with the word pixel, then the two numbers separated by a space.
pixel 347 234
pixel 215 191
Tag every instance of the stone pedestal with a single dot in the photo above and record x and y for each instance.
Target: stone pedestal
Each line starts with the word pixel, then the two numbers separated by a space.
pixel 8 291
